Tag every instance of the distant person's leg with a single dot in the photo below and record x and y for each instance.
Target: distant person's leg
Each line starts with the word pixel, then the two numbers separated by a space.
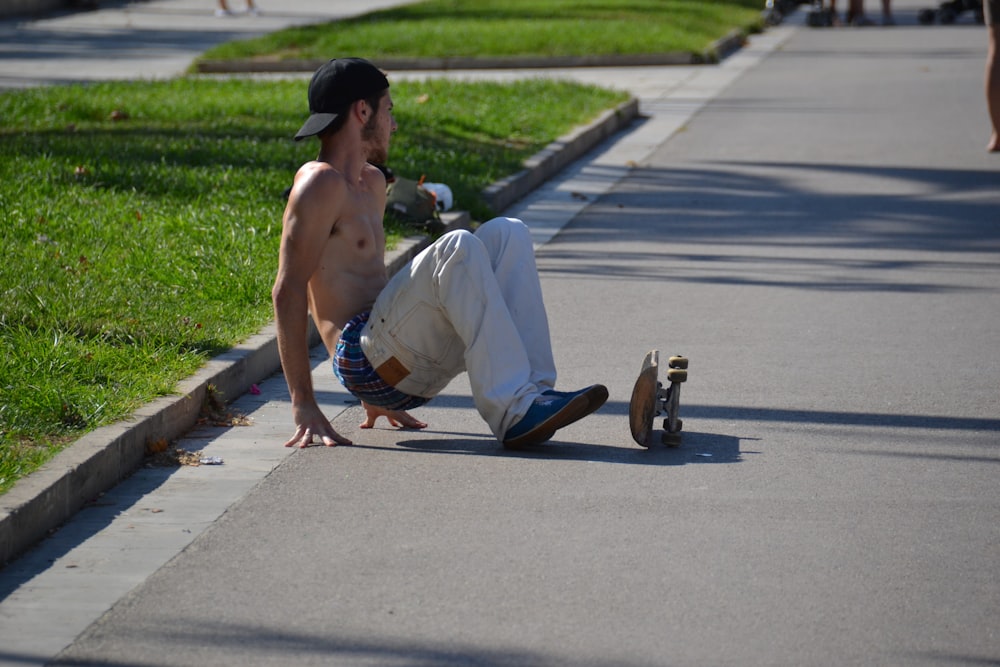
pixel 991 10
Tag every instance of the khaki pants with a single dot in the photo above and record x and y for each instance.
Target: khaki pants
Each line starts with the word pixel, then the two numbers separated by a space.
pixel 469 302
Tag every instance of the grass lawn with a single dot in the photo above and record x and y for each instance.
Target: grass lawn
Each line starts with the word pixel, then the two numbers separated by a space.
pixel 142 223
pixel 483 28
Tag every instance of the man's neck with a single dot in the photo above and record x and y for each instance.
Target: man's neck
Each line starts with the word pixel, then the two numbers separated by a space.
pixel 345 154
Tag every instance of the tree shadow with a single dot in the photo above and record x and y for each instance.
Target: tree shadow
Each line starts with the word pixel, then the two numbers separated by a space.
pixel 751 208
pixel 832 418
pixel 253 643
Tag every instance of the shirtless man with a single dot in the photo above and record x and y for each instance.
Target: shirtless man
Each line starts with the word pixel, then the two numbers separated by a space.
pixel 470 302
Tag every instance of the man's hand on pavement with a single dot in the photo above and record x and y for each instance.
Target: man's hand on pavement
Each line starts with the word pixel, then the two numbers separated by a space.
pixel 397 418
pixel 311 423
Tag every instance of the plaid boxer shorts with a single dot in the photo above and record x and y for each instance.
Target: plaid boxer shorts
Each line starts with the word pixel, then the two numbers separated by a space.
pixel 355 372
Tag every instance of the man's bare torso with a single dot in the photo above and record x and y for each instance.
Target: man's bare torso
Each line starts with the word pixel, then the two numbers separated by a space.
pixel 351 271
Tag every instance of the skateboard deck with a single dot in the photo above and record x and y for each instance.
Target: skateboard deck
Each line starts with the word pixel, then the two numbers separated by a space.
pixel 650 399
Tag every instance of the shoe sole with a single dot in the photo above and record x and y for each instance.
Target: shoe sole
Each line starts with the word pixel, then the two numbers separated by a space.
pixel 596 397
pixel 574 411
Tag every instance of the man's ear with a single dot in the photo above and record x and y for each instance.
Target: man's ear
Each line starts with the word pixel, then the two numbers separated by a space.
pixel 362 110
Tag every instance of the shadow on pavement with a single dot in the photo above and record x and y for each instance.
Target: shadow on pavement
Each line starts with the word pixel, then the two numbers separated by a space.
pixel 253 644
pixel 95 516
pixel 696 448
pixel 871 419
pixel 794 205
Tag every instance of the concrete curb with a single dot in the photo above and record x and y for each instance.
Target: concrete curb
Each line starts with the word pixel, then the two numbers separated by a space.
pixel 716 52
pixel 45 499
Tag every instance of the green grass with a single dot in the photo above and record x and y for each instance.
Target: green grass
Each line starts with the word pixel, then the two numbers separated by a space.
pixel 138 248
pixel 480 28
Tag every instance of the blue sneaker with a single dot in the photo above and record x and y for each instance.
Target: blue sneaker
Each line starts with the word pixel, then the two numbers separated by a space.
pixel 552 411
pixel 596 395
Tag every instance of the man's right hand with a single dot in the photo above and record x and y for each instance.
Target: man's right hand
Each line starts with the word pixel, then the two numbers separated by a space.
pixel 312 423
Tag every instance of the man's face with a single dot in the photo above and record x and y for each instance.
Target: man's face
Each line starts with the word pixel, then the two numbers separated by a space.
pixel 377 131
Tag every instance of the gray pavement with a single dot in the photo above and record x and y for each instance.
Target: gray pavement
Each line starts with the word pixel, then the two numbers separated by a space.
pixel 814 223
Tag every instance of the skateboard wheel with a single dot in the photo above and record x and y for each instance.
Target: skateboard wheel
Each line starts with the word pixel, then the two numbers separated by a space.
pixel 666 426
pixel 677 375
pixel 677 362
pixel 671 439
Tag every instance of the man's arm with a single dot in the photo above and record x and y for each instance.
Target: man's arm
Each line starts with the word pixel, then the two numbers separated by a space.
pixel 308 222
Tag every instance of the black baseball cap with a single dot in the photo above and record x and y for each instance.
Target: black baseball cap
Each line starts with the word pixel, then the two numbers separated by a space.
pixel 335 86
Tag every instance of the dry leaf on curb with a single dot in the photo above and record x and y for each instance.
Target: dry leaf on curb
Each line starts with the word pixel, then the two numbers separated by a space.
pixel 214 413
pixel 172 457
pixel 156 446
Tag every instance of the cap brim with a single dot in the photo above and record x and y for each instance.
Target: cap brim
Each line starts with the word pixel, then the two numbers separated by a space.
pixel 315 124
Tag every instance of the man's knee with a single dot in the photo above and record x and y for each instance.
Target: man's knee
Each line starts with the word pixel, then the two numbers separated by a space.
pixel 502 227
pixel 501 234
pixel 459 246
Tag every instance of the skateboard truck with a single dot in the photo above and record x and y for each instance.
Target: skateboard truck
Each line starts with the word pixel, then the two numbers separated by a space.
pixel 651 399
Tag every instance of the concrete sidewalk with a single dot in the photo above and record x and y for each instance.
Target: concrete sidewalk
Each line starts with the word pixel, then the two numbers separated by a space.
pixel 814 223
pixel 156 39
pixel 144 39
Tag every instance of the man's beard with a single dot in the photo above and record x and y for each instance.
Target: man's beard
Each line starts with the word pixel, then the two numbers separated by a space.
pixel 376 154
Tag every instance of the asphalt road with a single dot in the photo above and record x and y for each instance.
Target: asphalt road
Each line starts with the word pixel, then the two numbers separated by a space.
pixel 820 235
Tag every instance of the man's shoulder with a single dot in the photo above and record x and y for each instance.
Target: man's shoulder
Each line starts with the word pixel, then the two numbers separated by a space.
pixel 318 171
pixel 316 181
pixel 374 177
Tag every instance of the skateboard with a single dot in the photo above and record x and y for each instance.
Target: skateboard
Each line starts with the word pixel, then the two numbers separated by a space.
pixel 650 399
